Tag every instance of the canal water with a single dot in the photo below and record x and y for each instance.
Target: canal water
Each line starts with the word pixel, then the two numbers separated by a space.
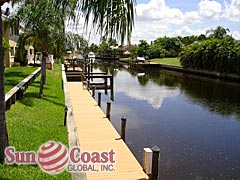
pixel 194 121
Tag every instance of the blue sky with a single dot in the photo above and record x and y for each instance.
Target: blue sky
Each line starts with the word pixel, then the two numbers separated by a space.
pixel 157 18
pixel 185 5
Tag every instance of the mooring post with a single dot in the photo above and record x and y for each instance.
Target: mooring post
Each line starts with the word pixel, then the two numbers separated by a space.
pixel 99 98
pixel 112 88
pixel 155 162
pixel 85 66
pixel 108 110
pixel 105 84
pixel 65 115
pixel 93 91
pixel 147 161
pixel 112 95
pixel 91 73
pixel 88 84
pixel 111 82
pixel 123 128
pixel 91 69
pixel 88 71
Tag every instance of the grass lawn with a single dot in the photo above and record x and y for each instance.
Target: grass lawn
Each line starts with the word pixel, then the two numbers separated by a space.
pixel 32 122
pixel 126 59
pixel 15 75
pixel 168 61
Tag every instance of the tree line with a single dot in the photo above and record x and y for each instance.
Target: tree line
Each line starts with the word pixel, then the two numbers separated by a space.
pixel 219 52
pixel 215 51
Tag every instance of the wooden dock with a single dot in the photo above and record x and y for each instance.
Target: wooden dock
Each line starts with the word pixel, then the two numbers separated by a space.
pixel 96 133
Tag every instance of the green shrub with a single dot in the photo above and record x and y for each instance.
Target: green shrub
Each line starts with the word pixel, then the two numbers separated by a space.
pixel 222 55
pixel 21 56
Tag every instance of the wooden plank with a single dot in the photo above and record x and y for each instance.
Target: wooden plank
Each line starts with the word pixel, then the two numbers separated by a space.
pixel 96 133
pixel 98 76
pixel 18 90
pixel 14 90
pixel 93 73
pixel 72 130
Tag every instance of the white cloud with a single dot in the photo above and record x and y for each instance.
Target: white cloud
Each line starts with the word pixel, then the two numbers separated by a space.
pixel 184 31
pixel 149 30
pixel 192 17
pixel 158 11
pixel 187 31
pixel 236 35
pixel 232 11
pixel 155 19
pixel 210 9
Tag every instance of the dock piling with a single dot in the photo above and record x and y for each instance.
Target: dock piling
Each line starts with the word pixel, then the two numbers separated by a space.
pixel 105 84
pixel 108 110
pixel 112 88
pixel 88 71
pixel 93 91
pixel 111 81
pixel 147 161
pixel 99 98
pixel 123 128
pixel 88 84
pixel 155 162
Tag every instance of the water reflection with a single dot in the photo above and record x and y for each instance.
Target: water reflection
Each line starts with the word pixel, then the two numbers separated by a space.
pixel 218 96
pixel 193 121
pixel 148 92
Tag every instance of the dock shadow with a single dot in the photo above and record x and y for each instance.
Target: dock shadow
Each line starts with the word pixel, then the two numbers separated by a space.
pixel 28 99
pixel 50 99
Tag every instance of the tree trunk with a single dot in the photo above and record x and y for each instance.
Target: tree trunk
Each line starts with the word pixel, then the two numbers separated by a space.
pixel 44 69
pixel 34 58
pixel 43 74
pixel 3 127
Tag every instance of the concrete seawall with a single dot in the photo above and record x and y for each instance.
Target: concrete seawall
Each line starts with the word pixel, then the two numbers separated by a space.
pixel 219 75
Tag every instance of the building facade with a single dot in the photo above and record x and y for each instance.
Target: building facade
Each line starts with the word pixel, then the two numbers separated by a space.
pixel 11 35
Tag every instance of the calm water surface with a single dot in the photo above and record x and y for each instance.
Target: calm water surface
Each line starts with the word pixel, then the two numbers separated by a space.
pixel 194 121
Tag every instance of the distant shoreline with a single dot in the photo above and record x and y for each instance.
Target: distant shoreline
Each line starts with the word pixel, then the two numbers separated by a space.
pixel 206 73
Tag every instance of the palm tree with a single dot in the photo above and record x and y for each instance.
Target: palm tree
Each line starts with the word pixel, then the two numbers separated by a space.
pixel 3 128
pixel 218 33
pixel 41 22
pixel 109 18
pixel 75 41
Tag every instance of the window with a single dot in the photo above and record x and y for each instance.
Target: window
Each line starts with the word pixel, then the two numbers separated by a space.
pixel 31 51
pixel 16 31
pixel 12 51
